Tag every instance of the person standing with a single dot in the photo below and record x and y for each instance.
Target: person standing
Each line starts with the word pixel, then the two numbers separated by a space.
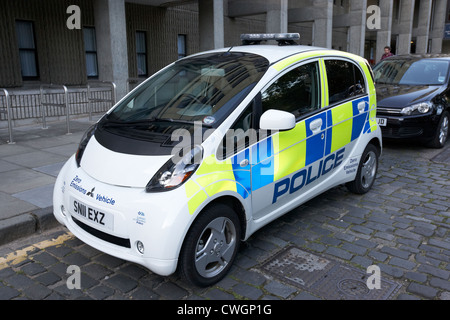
pixel 387 53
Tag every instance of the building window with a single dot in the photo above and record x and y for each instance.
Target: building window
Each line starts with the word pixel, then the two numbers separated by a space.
pixel 141 53
pixel 181 46
pixel 27 50
pixel 90 47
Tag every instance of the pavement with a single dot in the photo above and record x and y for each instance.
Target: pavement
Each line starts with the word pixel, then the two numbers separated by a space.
pixel 28 171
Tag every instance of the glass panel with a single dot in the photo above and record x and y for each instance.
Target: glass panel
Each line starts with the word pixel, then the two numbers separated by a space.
pixel 140 42
pixel 89 39
pixel 341 80
pixel 91 65
pixel 142 64
pixel 297 91
pixel 25 37
pixel 28 63
pixel 181 46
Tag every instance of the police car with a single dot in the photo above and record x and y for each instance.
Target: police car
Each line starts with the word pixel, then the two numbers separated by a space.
pixel 215 146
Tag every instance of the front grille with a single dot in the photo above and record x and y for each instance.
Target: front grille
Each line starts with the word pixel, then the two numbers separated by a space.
pixel 102 235
pixel 404 132
pixel 388 111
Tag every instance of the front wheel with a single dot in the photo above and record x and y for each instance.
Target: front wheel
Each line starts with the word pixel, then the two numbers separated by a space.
pixel 367 171
pixel 442 131
pixel 210 246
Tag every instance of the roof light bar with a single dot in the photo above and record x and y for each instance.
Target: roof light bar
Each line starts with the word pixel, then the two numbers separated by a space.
pixel 281 38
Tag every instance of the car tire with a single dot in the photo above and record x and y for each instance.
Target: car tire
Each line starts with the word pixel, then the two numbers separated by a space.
pixel 210 246
pixel 367 171
pixel 442 132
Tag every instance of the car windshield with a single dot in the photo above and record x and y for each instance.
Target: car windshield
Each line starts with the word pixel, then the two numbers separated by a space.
pixel 202 88
pixel 411 72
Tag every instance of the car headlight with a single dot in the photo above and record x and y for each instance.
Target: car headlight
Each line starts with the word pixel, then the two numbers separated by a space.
pixel 419 108
pixel 172 175
pixel 83 143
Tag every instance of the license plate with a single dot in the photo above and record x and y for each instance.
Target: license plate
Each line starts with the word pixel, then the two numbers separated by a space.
pixel 87 213
pixel 382 122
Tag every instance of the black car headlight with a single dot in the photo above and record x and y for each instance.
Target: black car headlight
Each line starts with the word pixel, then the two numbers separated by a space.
pixel 172 175
pixel 418 108
pixel 83 143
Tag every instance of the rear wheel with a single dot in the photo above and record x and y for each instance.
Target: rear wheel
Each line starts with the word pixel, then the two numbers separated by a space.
pixel 210 246
pixel 367 171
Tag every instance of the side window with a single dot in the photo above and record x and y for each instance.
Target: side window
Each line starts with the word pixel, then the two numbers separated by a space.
pixel 344 80
pixel 298 91
pixel 240 135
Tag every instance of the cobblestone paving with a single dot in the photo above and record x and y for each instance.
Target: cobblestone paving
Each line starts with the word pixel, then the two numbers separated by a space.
pixel 402 226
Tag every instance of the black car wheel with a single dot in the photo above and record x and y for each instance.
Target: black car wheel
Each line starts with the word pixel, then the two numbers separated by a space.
pixel 441 135
pixel 210 246
pixel 367 171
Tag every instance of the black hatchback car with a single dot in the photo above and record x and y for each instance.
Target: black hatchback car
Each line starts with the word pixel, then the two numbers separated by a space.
pixel 413 98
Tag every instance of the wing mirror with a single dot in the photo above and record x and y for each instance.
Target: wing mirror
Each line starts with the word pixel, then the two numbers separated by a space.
pixel 277 120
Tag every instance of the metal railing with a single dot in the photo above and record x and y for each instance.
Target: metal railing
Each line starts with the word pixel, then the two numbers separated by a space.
pixel 44 104
pixel 49 98
pixel 91 99
pixel 8 113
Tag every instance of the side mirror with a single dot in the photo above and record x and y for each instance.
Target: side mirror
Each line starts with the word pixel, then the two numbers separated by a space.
pixel 277 120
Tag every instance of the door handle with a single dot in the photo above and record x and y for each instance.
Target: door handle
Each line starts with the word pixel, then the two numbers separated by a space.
pixel 361 106
pixel 244 163
pixel 316 125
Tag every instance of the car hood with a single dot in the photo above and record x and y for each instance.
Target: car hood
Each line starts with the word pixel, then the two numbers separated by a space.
pixel 399 96
pixel 120 169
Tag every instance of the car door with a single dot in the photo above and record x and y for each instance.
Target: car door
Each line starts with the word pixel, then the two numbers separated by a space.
pixel 280 161
pixel 348 106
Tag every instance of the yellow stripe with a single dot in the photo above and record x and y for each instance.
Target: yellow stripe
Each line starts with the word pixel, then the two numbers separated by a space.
pixel 320 53
pixel 224 185
pixel 208 179
pixel 343 124
pixel 373 120
pixel 191 188
pixel 324 85
pixel 196 201
pixel 22 254
pixel 211 164
pixel 290 151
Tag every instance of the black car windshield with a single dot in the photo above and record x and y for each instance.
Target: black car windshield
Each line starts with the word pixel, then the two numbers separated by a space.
pixel 203 88
pixel 411 72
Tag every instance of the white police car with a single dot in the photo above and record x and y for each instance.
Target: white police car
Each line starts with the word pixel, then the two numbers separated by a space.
pixel 215 146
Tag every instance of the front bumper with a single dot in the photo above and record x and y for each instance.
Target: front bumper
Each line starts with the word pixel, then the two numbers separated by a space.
pixel 128 215
pixel 422 127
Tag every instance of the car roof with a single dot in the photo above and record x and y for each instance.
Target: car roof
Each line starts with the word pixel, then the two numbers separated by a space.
pixel 272 53
pixel 441 56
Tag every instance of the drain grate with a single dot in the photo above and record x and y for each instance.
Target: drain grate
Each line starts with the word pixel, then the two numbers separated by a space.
pixel 324 277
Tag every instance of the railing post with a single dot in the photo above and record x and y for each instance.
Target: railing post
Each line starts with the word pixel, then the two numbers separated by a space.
pixel 114 93
pixel 66 98
pixel 9 116
pixel 43 108
pixel 63 105
pixel 89 101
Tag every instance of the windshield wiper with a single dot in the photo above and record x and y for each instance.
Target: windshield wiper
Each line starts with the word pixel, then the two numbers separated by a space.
pixel 147 122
